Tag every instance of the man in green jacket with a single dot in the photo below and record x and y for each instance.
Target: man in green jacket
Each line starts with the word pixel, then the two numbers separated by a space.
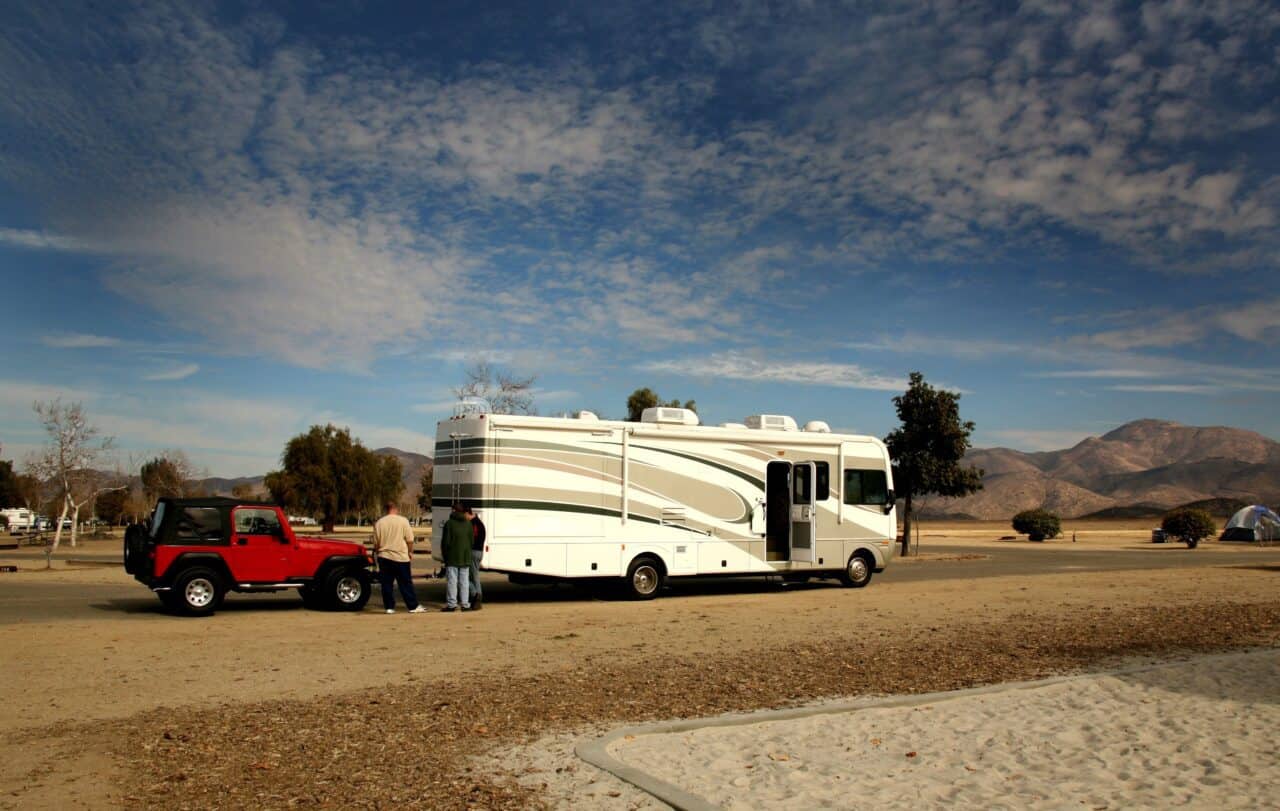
pixel 455 549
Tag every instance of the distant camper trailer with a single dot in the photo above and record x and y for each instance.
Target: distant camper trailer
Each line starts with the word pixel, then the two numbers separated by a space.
pixel 20 520
pixel 582 498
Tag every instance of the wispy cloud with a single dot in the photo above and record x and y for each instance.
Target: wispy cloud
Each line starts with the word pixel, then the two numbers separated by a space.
pixel 40 240
pixel 229 435
pixel 77 340
pixel 737 366
pixel 1255 321
pixel 1099 374
pixel 1169 388
pixel 1034 439
pixel 177 373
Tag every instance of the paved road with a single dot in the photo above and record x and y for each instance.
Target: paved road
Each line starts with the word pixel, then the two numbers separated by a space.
pixel 115 595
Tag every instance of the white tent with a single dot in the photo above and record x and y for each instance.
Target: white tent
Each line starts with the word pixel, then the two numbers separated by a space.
pixel 1255 523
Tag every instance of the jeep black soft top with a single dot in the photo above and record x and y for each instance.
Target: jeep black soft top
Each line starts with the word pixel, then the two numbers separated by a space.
pixel 170 511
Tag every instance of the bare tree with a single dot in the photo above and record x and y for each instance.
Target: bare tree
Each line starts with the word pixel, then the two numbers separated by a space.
pixel 68 460
pixel 505 392
pixel 136 503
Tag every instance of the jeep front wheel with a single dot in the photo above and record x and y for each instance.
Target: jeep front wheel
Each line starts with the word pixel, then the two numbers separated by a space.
pixel 347 589
pixel 197 591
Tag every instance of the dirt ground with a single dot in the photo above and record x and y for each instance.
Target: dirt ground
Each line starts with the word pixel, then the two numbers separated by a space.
pixel 102 702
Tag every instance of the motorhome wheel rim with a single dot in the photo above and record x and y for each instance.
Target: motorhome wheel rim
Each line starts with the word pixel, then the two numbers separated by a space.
pixel 199 592
pixel 645 579
pixel 857 569
pixel 349 589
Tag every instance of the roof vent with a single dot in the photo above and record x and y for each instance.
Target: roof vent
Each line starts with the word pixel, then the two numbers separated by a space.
pixel 737 425
pixel 817 427
pixel 590 416
pixel 771 422
pixel 669 416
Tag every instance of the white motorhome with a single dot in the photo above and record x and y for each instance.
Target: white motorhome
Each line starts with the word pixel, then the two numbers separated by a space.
pixel 20 519
pixel 581 498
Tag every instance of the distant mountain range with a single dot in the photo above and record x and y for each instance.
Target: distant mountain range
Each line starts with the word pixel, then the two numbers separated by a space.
pixel 413 467
pixel 1145 466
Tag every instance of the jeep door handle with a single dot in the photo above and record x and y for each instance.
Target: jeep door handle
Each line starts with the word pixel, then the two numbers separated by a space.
pixel 242 541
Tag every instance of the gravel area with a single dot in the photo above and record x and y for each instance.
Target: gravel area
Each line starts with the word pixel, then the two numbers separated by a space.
pixel 423 744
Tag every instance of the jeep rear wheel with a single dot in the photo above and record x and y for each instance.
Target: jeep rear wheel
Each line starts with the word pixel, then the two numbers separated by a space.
pixel 347 589
pixel 196 591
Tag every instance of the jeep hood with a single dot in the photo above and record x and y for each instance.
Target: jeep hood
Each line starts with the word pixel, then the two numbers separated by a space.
pixel 331 546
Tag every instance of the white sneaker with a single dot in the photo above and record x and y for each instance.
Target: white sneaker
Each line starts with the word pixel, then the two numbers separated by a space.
pixel 419 610
pixel 389 611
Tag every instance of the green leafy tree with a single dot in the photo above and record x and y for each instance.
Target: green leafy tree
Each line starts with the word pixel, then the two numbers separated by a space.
pixel 28 490
pixel 328 473
pixel 10 495
pixel 1037 524
pixel 1189 526
pixel 111 505
pixel 641 399
pixel 927 448
pixel 170 474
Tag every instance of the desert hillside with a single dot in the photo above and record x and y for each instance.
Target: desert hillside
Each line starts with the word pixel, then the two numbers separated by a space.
pixel 1149 462
pixel 413 466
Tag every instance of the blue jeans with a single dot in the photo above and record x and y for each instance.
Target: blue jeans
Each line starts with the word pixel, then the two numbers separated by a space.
pixel 476 556
pixel 455 586
pixel 391 572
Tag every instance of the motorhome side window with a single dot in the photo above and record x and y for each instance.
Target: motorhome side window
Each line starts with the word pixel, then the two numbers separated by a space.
pixel 865 487
pixel 800 485
pixel 203 524
pixel 823 485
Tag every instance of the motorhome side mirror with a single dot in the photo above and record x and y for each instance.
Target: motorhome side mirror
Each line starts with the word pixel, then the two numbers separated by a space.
pixel 889 499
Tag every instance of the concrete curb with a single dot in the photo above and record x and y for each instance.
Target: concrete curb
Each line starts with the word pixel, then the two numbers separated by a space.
pixel 596 751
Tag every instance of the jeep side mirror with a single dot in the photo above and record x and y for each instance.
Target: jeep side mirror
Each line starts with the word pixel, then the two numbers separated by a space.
pixel 889 499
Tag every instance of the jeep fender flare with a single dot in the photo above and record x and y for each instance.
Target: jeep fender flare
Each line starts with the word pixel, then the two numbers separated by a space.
pixel 339 562
pixel 211 560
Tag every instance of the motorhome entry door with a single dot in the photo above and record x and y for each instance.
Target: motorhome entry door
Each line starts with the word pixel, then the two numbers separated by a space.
pixel 804 516
pixel 777 510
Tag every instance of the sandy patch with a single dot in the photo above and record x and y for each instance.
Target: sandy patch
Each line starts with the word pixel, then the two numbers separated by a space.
pixel 1194 733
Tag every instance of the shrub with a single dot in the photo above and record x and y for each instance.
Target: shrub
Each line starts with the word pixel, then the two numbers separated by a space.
pixel 1189 525
pixel 1037 524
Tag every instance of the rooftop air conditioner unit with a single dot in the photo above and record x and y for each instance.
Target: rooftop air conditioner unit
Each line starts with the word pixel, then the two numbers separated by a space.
pixel 669 416
pixel 590 416
pixel 771 422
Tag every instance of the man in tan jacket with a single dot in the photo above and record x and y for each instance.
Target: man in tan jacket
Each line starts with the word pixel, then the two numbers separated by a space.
pixel 393 546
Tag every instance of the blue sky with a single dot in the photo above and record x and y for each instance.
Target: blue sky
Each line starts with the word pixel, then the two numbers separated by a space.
pixel 221 223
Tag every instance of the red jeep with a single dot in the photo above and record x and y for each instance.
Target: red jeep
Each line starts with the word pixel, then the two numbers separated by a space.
pixel 195 550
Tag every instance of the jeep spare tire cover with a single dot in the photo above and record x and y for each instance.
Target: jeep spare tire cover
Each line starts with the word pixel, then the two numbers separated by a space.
pixel 135 543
